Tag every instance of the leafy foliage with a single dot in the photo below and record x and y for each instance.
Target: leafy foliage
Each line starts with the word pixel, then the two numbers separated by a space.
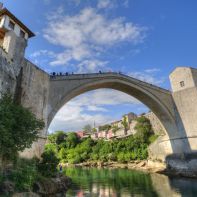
pixel 58 137
pixel 24 174
pixel 87 128
pixel 106 127
pixel 134 147
pixel 125 124
pixel 114 129
pixel 19 128
pixel 48 165
pixel 144 128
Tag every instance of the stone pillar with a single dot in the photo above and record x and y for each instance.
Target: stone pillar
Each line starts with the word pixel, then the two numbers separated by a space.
pixel 184 92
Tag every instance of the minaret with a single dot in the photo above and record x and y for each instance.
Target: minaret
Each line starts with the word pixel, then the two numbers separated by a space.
pixel 14 35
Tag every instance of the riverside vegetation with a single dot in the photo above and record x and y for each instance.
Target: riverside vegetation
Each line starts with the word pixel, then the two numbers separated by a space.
pixel 19 129
pixel 70 149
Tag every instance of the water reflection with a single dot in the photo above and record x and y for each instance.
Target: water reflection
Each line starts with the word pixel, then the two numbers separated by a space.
pixel 95 182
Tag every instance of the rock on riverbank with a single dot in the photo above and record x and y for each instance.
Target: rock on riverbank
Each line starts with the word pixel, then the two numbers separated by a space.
pixel 53 186
pixel 50 187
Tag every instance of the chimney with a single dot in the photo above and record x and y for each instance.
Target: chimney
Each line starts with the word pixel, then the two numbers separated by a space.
pixel 1 5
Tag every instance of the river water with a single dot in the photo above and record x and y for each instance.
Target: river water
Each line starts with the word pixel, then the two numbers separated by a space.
pixel 94 182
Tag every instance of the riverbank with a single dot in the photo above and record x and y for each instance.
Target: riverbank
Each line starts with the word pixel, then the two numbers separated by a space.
pixel 144 165
pixel 148 166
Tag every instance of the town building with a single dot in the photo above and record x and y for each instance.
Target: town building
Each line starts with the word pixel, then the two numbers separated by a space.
pixel 129 117
pixel 117 124
pixel 82 134
pixel 119 131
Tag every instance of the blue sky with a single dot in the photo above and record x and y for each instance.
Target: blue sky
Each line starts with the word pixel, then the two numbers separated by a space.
pixel 144 39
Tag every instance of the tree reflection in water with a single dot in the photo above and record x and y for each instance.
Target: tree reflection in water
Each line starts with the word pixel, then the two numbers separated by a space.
pixel 94 182
pixel 109 183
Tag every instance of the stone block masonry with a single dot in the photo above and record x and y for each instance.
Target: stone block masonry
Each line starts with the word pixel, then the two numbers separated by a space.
pixel 29 85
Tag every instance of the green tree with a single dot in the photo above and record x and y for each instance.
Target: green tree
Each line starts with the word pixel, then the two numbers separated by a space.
pixel 106 127
pixel 19 127
pixel 94 130
pixel 71 140
pixel 48 165
pixel 125 124
pixel 143 128
pixel 87 128
pixel 57 137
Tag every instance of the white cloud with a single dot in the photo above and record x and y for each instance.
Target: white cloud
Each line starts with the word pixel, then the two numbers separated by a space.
pixel 105 97
pixel 149 76
pixel 152 70
pixel 126 3
pixel 42 53
pixel 105 4
pixel 75 114
pixel 88 34
pixel 73 117
pixel 95 108
pixel 91 66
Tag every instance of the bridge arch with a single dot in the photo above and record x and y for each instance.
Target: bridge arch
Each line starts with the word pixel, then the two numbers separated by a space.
pixel 64 88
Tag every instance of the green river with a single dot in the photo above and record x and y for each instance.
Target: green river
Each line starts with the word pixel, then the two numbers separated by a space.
pixel 93 182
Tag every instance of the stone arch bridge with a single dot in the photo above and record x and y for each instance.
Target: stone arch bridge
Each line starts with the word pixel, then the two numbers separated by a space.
pixel 175 109
pixel 64 88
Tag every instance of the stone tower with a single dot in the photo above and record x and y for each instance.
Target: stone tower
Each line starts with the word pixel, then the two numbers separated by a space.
pixel 13 35
pixel 184 92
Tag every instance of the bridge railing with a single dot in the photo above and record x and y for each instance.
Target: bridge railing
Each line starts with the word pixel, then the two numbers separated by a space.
pixel 60 76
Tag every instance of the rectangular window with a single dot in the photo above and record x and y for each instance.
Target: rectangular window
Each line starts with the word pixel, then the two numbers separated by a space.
pixel 182 84
pixel 22 34
pixel 11 25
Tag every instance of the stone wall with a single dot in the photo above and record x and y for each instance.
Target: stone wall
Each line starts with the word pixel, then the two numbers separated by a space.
pixel 29 85
pixel 157 127
pixel 9 71
pixel 185 98
pixel 34 95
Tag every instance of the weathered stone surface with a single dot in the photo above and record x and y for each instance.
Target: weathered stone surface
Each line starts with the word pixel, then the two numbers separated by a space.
pixel 9 71
pixel 182 164
pixel 52 186
pixel 156 124
pixel 162 186
pixel 7 187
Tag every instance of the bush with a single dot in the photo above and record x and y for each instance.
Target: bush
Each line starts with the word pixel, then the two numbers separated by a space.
pixel 133 155
pixel 48 165
pixel 24 174
pixel 152 138
pixel 122 150
pixel 19 128
pixel 121 157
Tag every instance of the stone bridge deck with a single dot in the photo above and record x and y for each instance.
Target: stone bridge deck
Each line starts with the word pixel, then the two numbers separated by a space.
pixel 104 75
